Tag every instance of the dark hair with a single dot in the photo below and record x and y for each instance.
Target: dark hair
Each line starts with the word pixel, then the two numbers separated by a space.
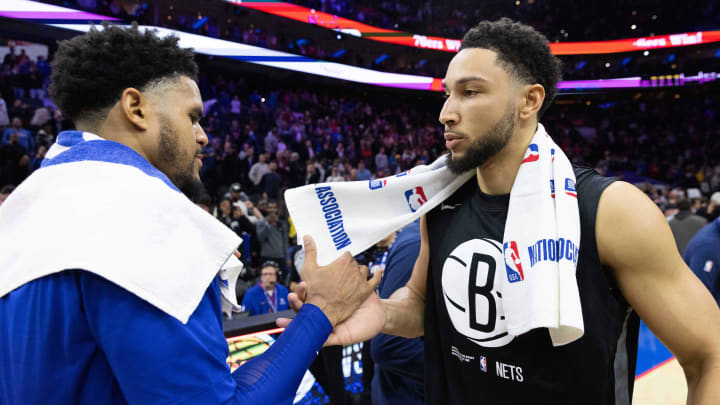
pixel 7 189
pixel 270 263
pixel 683 204
pixel 90 72
pixel 521 50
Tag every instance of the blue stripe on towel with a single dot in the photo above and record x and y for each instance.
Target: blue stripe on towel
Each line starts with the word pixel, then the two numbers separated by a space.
pixel 102 150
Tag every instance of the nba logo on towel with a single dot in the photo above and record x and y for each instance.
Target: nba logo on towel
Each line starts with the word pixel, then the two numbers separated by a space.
pixel 533 154
pixel 570 188
pixel 483 364
pixel 415 198
pixel 376 184
pixel 512 262
pixel 552 188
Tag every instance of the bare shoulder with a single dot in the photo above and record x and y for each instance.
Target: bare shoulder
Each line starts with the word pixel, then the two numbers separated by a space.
pixel 630 227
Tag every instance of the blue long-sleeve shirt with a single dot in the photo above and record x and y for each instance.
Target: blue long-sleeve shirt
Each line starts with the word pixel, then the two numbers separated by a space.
pixel 702 255
pixel 75 338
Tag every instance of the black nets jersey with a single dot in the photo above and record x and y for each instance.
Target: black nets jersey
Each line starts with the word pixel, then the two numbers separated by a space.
pixel 469 356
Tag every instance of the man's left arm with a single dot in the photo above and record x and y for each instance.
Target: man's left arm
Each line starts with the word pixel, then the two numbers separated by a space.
pixel 634 239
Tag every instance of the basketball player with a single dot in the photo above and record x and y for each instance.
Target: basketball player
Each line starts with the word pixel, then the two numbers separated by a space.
pixel 77 324
pixel 497 87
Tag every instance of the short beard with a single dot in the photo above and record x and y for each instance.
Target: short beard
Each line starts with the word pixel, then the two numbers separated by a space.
pixel 169 154
pixel 484 146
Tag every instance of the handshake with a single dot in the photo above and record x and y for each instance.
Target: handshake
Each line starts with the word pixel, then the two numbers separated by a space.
pixel 344 294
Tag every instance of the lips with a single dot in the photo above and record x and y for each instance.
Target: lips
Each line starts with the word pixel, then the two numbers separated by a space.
pixel 449 136
pixel 452 139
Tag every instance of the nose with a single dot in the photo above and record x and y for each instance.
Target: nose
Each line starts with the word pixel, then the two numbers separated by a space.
pixel 448 114
pixel 201 136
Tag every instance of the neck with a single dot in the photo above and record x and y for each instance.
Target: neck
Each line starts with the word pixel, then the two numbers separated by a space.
pixel 497 175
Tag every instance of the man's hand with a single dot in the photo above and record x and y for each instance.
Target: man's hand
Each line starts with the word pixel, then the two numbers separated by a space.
pixel 338 289
pixel 362 325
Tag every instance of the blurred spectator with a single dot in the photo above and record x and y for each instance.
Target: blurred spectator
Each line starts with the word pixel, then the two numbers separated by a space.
pixel 703 257
pixel 273 236
pixel 225 214
pixel 399 362
pixel 258 170
pixel 712 210
pixel 38 158
pixel 271 182
pixel 362 172
pixel 14 161
pixel 334 176
pixel 4 119
pixel 5 192
pixel 685 224
pixel 268 296
pixel 271 141
pixel 236 194
pixel 23 136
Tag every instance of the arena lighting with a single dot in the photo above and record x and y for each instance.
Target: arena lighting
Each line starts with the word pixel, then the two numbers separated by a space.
pixel 361 30
pixel 41 12
pixel 65 18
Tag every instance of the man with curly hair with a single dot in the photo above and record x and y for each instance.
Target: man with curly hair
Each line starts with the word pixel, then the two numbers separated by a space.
pixel 123 304
pixel 497 87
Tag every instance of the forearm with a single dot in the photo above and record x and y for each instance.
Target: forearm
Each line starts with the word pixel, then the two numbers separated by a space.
pixel 404 313
pixel 703 380
pixel 274 376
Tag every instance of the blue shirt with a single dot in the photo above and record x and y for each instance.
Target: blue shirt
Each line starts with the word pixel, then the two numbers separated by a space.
pixel 76 338
pixel 399 362
pixel 257 302
pixel 702 255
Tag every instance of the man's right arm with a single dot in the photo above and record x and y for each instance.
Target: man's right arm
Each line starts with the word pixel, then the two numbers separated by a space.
pixel 157 359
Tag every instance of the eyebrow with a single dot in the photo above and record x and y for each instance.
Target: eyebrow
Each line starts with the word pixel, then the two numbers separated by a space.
pixel 467 79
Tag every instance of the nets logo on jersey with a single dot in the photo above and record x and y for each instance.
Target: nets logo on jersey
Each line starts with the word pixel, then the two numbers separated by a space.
pixel 483 364
pixel 533 154
pixel 415 198
pixel 471 281
pixel 513 265
pixel 570 187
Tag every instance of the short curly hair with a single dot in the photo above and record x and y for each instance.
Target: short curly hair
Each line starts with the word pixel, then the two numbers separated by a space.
pixel 90 72
pixel 521 50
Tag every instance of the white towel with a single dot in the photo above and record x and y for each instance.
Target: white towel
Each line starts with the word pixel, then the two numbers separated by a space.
pixel 99 206
pixel 539 291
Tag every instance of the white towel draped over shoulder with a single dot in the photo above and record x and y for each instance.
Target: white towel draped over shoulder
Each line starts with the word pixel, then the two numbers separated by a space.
pixel 540 242
pixel 105 210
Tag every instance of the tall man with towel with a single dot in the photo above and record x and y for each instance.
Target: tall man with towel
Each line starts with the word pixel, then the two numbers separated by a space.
pixel 123 304
pixel 529 268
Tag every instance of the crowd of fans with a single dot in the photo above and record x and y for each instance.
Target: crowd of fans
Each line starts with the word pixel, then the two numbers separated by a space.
pixel 559 21
pixel 265 140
